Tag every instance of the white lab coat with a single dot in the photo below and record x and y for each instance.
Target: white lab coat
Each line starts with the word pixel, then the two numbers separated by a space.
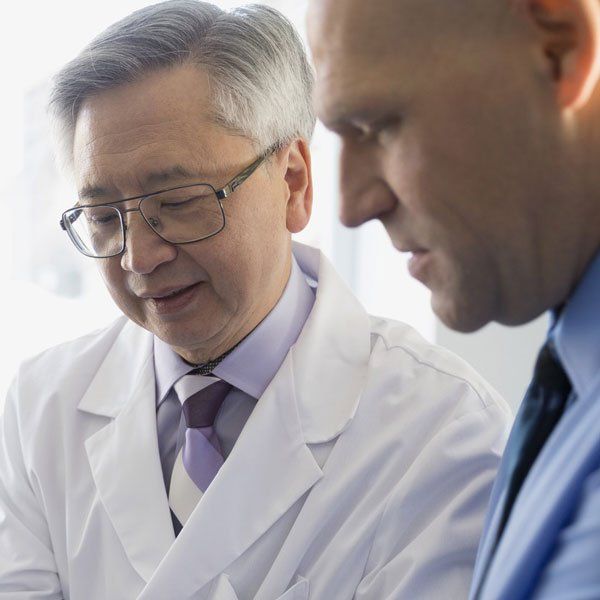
pixel 363 472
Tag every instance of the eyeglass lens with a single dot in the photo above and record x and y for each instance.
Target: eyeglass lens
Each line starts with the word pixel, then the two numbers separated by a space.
pixel 178 216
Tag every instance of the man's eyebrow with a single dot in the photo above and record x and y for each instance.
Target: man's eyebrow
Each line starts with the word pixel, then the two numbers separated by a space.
pixel 336 121
pixel 342 115
pixel 342 123
pixel 170 174
pixel 92 192
pixel 364 117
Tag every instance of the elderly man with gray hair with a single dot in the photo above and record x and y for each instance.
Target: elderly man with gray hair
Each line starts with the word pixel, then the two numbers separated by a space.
pixel 245 430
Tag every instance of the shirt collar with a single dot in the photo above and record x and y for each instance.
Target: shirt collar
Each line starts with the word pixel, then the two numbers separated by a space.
pixel 576 333
pixel 256 360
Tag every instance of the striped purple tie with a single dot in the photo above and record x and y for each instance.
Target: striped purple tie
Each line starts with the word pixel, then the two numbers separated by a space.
pixel 200 457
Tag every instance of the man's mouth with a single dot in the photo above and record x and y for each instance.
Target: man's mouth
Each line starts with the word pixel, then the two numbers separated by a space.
pixel 418 262
pixel 172 300
pixel 172 294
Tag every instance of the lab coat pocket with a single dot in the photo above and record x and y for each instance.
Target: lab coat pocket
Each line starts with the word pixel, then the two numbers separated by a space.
pixel 298 591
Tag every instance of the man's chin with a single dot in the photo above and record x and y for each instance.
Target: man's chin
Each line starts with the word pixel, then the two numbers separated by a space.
pixel 187 340
pixel 458 316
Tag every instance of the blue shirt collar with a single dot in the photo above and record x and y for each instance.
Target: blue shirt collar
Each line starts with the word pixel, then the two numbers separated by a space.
pixel 576 333
pixel 254 363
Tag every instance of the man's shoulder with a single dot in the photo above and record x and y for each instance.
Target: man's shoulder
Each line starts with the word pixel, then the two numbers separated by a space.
pixel 69 353
pixel 413 365
pixel 59 371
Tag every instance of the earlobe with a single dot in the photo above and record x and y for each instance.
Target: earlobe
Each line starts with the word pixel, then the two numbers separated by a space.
pixel 298 177
pixel 569 36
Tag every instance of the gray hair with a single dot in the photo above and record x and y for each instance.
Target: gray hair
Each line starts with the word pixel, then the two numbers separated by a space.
pixel 261 79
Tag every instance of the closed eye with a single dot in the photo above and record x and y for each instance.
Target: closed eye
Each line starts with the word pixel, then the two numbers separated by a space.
pixel 103 220
pixel 99 215
pixel 178 203
pixel 377 130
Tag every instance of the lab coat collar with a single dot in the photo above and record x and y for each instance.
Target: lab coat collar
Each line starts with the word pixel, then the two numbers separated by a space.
pixel 252 365
pixel 120 374
pixel 332 353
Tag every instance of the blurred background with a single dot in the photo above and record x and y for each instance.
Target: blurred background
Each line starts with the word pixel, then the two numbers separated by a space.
pixel 51 293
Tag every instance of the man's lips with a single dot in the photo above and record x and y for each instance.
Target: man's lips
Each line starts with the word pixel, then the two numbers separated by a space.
pixel 165 292
pixel 418 262
pixel 410 249
pixel 171 300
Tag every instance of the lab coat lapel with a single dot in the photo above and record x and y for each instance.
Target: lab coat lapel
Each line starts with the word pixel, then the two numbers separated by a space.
pixel 123 455
pixel 546 501
pixel 269 469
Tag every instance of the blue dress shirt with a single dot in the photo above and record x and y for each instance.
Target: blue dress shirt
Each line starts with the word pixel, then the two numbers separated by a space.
pixel 551 546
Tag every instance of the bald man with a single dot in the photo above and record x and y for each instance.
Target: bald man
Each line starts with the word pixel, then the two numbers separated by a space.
pixel 471 130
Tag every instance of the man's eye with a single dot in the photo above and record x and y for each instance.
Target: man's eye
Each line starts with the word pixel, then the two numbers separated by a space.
pixel 360 132
pixel 177 203
pixel 387 130
pixel 378 131
pixel 103 219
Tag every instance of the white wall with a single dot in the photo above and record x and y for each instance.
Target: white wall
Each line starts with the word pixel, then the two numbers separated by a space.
pixel 504 355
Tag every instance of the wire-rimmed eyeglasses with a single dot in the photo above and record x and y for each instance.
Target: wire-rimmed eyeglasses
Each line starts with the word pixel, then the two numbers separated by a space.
pixel 180 215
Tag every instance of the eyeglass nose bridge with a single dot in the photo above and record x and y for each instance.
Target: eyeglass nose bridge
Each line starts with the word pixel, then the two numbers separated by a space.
pixel 152 222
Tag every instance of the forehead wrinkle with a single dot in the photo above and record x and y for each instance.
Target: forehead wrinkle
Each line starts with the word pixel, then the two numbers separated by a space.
pixel 129 137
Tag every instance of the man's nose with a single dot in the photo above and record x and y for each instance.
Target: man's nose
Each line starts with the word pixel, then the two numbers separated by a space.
pixel 364 193
pixel 144 249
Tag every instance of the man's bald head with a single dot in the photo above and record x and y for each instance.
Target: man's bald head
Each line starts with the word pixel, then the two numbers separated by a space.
pixel 467 129
pixel 379 24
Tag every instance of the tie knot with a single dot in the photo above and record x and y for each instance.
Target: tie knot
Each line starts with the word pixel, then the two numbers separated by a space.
pixel 549 373
pixel 201 399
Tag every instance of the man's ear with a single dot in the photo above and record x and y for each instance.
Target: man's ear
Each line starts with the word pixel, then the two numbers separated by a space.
pixel 569 36
pixel 298 177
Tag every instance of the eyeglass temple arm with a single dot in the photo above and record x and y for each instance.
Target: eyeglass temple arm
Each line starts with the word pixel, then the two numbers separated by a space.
pixel 241 177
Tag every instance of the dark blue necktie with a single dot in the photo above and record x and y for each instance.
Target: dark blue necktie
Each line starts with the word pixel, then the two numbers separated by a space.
pixel 542 408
